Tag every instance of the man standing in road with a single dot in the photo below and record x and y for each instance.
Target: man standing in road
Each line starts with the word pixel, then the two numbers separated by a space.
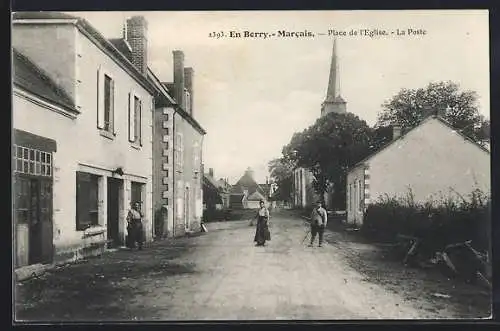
pixel 319 218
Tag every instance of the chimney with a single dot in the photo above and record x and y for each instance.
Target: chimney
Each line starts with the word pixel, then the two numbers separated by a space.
pixel 188 76
pixel 396 132
pixel 136 33
pixel 211 172
pixel 179 83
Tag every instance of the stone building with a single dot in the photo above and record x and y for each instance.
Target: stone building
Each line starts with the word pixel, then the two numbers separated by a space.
pixel 178 146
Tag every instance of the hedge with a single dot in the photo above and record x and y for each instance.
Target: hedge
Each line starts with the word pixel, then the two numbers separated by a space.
pixel 438 223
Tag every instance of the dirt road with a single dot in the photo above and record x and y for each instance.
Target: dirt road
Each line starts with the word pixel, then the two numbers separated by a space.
pixel 219 275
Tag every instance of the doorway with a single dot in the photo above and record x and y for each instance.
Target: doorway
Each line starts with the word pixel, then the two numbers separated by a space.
pixel 113 224
pixel 33 208
pixel 186 209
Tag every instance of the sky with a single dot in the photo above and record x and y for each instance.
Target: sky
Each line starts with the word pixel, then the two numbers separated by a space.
pixel 252 94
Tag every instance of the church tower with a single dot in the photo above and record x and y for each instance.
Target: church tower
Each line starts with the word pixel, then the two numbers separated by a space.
pixel 333 101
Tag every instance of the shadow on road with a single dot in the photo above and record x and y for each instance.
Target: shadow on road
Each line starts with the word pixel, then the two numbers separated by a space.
pixel 374 261
pixel 98 288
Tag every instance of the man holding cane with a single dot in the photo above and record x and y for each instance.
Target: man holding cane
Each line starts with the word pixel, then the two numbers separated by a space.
pixel 319 218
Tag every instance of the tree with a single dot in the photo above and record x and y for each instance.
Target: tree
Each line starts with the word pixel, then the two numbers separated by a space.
pixel 459 108
pixel 328 148
pixel 281 172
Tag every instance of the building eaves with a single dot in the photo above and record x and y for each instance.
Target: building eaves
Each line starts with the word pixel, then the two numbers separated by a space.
pixel 160 88
pixel 87 29
pixel 428 118
pixel 183 113
pixel 31 78
pixel 209 181
pixel 123 46
pixel 448 124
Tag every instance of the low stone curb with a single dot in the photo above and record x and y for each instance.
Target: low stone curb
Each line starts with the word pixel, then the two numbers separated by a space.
pixel 32 271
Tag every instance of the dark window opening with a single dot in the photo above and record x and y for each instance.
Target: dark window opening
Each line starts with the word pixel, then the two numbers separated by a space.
pixel 87 210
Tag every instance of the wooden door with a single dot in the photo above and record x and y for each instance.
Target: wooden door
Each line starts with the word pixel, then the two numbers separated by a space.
pixel 33 206
pixel 46 224
pixel 113 228
pixel 35 225
pixel 21 219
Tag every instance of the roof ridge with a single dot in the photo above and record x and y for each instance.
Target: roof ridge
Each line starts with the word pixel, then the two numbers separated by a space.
pixel 425 119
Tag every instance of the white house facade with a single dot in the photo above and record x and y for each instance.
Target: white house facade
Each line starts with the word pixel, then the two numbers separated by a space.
pixel 432 161
pixel 103 160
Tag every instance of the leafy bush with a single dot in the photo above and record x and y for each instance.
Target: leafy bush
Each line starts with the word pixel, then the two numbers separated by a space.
pixel 438 223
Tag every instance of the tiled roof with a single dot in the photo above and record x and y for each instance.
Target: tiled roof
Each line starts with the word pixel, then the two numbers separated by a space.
pixel 236 189
pixel 256 196
pixel 170 88
pixel 42 15
pixel 118 49
pixel 425 120
pixel 122 46
pixel 265 187
pixel 212 182
pixel 246 182
pixel 31 78
pixel 88 29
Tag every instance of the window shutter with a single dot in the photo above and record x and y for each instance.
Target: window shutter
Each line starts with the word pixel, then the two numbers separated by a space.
pixel 139 123
pixel 113 107
pixel 131 117
pixel 100 98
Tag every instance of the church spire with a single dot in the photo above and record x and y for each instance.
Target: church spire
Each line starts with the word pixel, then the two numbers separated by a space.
pixel 333 89
pixel 333 101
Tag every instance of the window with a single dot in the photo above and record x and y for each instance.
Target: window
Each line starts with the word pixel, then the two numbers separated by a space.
pixel 23 199
pixel 196 158
pixel 166 112
pixel 87 210
pixel 350 197
pixel 355 196
pixel 165 166
pixel 179 151
pixel 105 102
pixel 165 180
pixel 166 159
pixel 165 195
pixel 360 196
pixel 165 138
pixel 167 131
pixel 165 124
pixel 165 152
pixel 166 187
pixel 136 192
pixel 167 144
pixel 166 201
pixel 32 161
pixel 166 173
pixel 134 117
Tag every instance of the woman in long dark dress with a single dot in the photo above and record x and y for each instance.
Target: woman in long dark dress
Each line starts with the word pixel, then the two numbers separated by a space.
pixel 134 227
pixel 262 231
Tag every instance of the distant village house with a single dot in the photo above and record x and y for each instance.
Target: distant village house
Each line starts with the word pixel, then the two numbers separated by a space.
pixel 433 160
